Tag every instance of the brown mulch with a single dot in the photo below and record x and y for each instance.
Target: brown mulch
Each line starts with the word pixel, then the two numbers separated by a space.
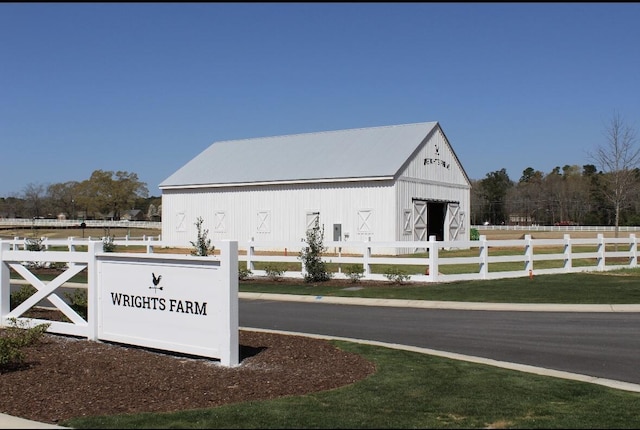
pixel 65 377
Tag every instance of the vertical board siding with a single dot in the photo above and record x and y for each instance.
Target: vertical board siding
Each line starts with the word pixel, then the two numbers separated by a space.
pixel 287 206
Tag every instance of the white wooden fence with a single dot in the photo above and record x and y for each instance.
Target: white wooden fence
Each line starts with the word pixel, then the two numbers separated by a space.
pixel 468 260
pixel 119 307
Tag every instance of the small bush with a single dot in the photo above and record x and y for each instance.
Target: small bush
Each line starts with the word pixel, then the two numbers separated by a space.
pixel 355 272
pixel 474 234
pixel 397 276
pixel 244 273
pixel 107 244
pixel 274 273
pixel 17 297
pixel 14 338
pixel 34 244
pixel 79 301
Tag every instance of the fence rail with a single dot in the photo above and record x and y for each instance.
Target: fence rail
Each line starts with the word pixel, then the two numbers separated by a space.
pixel 74 223
pixel 439 261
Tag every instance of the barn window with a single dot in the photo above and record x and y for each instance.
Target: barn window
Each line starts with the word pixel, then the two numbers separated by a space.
pixel 313 220
pixel 364 221
pixel 264 222
pixel 180 222
pixel 219 222
pixel 406 221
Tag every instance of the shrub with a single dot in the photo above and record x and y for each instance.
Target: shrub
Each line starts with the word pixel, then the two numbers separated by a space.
pixel 355 272
pixel 474 234
pixel 79 301
pixel 15 337
pixel 202 246
pixel 311 256
pixel 397 276
pixel 107 244
pixel 34 244
pixel 273 272
pixel 17 297
pixel 244 273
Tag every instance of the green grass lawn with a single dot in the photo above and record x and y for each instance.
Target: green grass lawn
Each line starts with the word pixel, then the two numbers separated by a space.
pixel 413 390
pixel 614 287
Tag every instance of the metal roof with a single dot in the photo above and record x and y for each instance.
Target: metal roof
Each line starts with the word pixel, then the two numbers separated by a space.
pixel 354 154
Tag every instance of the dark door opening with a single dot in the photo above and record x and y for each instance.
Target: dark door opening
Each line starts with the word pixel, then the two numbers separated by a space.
pixel 436 212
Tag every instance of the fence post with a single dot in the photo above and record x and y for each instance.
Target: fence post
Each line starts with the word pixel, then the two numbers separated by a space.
pixel 433 259
pixel 483 258
pixel 92 289
pixel 568 257
pixel 528 255
pixel 303 269
pixel 601 249
pixel 250 251
pixel 149 245
pixel 366 258
pixel 5 283
pixel 633 251
pixel 229 266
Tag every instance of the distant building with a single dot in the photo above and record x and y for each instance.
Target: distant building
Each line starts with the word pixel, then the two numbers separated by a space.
pixel 133 215
pixel 393 183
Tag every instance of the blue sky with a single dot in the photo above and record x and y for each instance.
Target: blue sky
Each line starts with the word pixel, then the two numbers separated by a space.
pixel 145 87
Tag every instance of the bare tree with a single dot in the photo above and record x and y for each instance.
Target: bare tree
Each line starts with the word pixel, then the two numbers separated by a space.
pixel 33 195
pixel 618 157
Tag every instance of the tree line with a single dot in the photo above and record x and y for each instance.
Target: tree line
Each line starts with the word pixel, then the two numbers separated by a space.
pixel 105 195
pixel 603 193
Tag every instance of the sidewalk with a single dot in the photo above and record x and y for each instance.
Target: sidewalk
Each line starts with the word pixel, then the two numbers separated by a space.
pixel 431 304
pixel 9 422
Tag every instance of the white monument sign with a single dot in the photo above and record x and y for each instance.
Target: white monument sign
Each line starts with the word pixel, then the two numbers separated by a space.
pixel 178 303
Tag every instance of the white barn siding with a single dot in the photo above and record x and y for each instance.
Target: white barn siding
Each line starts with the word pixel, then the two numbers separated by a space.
pixel 286 208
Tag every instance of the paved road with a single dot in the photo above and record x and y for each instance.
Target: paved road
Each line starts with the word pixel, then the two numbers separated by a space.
pixel 599 344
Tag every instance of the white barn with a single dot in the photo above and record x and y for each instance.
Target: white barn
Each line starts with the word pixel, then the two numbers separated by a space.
pixel 391 183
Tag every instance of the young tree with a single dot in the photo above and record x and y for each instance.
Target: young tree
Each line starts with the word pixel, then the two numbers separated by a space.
pixel 311 256
pixel 202 246
pixel 618 157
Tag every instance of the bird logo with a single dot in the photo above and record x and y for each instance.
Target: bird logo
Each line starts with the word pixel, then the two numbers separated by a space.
pixel 156 281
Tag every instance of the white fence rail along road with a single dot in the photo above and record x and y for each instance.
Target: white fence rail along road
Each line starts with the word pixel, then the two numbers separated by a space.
pixel 436 261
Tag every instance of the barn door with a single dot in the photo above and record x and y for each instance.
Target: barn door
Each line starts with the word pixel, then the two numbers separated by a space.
pixel 455 221
pixel 419 220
